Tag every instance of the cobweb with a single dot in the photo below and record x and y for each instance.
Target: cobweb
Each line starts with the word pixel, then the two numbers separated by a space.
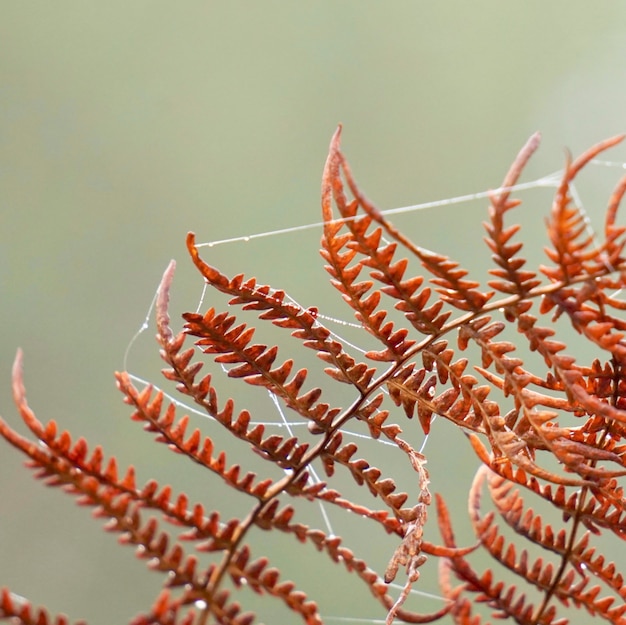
pixel 283 421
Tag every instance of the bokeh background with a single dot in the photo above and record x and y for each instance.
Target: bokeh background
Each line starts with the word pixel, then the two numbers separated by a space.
pixel 125 124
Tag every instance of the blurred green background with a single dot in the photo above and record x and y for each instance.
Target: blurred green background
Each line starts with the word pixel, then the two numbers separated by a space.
pixel 124 125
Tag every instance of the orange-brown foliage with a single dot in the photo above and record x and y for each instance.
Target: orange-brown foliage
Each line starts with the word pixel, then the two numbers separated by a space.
pixel 572 413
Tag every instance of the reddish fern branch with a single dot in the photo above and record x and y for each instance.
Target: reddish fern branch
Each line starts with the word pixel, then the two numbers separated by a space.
pixel 550 433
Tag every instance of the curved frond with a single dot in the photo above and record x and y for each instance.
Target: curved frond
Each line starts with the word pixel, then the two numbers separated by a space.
pixel 302 322
pixel 20 611
pixel 511 278
pixel 572 246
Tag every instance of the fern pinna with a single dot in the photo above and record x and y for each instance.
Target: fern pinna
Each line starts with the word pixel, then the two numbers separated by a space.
pixel 550 437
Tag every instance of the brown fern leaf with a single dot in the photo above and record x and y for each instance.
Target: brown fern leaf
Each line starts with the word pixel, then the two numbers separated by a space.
pixel 379 258
pixel 59 461
pixel 118 500
pixel 232 345
pixel 373 320
pixel 376 420
pixel 453 288
pixel 428 320
pixel 567 228
pixel 166 611
pixel 463 403
pixel 363 473
pixel 577 559
pixel 447 275
pixel 184 372
pixel 20 610
pixel 511 278
pixel 172 432
pixel 283 314
pixel 224 611
pixel 262 579
pixel 123 514
pixel 505 601
pixel 344 275
pixel 592 512
pixel 611 253
pixel 343 278
pixel 204 394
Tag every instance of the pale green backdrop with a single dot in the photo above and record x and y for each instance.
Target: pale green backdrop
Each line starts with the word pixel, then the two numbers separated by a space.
pixel 125 124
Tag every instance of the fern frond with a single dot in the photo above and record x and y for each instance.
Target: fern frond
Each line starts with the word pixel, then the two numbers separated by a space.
pixel 363 473
pixel 166 610
pixel 254 362
pixel 571 244
pixel 172 432
pixel 121 509
pixel 354 293
pixel 511 278
pixel 379 259
pixel 551 433
pixel 463 403
pixel 557 583
pixel 21 611
pixel 449 278
pixel 302 322
pixel 263 580
pixel 611 252
pixel 184 372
